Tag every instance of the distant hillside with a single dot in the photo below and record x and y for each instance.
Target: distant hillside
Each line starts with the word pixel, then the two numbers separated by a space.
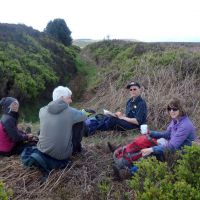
pixel 83 42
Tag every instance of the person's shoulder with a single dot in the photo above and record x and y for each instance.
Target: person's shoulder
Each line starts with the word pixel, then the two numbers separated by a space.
pixel 141 101
pixel 186 123
pixel 43 108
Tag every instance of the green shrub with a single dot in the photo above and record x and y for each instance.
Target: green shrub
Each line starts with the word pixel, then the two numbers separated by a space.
pixel 159 180
pixel 5 194
pixel 188 167
pixel 104 188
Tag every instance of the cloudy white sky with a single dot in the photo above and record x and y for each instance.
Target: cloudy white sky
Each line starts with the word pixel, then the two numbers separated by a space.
pixel 145 20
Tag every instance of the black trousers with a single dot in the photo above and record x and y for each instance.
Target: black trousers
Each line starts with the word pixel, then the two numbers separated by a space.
pixel 77 135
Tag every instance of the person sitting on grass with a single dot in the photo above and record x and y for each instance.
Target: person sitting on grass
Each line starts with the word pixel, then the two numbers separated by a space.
pixel 136 114
pixel 12 140
pixel 180 132
pixel 61 131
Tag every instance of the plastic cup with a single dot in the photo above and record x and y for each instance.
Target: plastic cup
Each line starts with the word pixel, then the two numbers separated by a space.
pixel 144 129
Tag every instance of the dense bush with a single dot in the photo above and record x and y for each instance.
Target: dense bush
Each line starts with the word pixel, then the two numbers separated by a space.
pixel 32 63
pixel 159 180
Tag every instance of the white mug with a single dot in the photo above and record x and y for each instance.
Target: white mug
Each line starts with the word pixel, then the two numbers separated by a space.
pixel 144 129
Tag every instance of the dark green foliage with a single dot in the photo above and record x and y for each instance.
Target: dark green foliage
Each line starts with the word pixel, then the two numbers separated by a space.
pixel 32 64
pixel 103 53
pixel 158 180
pixel 59 30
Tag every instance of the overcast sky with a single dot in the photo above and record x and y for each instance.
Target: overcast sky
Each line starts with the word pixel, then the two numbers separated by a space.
pixel 144 20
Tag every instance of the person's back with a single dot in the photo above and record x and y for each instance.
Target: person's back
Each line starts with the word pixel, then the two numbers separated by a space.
pixel 56 121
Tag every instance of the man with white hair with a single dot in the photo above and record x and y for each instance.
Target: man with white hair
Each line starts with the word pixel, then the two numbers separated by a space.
pixel 57 136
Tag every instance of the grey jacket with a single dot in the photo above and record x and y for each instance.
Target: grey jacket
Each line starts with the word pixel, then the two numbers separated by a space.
pixel 56 121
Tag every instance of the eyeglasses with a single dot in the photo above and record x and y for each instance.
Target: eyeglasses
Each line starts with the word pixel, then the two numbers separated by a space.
pixel 173 109
pixel 134 89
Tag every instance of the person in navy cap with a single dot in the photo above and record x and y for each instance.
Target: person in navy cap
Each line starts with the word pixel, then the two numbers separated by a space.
pixel 135 115
pixel 136 110
pixel 12 140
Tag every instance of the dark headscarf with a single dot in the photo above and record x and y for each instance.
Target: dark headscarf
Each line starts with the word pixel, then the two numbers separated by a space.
pixel 6 102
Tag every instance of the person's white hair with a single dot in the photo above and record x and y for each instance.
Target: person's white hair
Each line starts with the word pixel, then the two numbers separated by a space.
pixel 61 91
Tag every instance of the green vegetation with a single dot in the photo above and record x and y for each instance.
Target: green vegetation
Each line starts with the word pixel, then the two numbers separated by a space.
pixel 5 194
pixel 88 72
pixel 104 188
pixel 32 64
pixel 59 30
pixel 178 179
pixel 129 58
pixel 164 69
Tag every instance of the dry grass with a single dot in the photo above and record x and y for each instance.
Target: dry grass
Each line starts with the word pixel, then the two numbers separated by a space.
pixel 160 86
pixel 90 176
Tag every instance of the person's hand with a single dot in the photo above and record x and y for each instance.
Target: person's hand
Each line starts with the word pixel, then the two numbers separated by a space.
pixel 147 151
pixel 119 114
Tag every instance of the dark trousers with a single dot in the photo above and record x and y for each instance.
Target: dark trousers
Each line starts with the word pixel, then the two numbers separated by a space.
pixel 77 135
pixel 114 123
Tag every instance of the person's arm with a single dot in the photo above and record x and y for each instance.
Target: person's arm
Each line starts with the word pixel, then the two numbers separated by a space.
pixel 13 131
pixel 78 116
pixel 140 115
pixel 174 143
pixel 156 150
pixel 178 138
pixel 130 120
pixel 161 134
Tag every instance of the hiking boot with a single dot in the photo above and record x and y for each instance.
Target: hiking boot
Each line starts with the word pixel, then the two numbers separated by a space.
pixel 124 174
pixel 116 172
pixel 121 174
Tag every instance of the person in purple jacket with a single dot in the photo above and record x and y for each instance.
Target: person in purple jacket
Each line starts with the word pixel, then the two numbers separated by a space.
pixel 12 140
pixel 179 133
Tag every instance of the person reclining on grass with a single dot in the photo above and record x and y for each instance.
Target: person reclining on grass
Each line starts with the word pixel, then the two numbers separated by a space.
pixel 12 140
pixel 136 114
pixel 61 131
pixel 180 132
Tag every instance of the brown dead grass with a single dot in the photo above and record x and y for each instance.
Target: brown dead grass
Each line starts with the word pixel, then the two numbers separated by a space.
pixel 160 85
pixel 90 176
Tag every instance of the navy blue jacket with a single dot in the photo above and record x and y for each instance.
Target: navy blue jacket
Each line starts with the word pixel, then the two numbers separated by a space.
pixel 137 108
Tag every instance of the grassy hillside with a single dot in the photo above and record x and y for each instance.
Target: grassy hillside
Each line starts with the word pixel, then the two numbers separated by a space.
pixel 164 69
pixel 105 68
pixel 32 64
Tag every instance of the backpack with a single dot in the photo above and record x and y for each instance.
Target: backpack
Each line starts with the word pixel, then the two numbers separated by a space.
pixel 132 151
pixel 98 122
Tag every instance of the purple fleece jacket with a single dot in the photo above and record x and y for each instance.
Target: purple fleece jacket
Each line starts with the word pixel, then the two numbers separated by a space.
pixel 179 133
